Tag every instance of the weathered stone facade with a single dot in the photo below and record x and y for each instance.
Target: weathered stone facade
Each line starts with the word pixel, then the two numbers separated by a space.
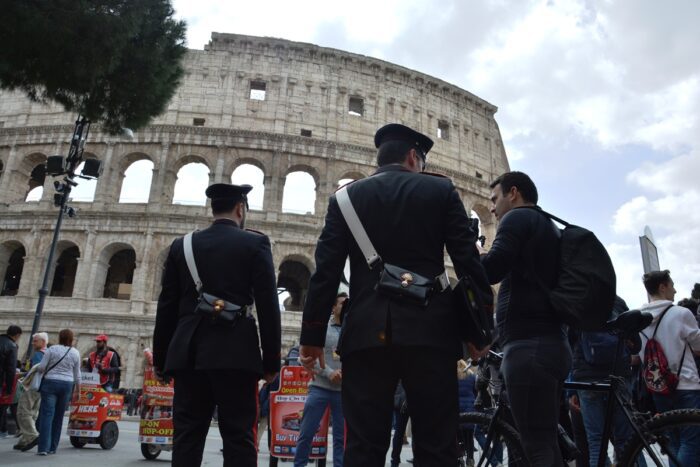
pixel 319 110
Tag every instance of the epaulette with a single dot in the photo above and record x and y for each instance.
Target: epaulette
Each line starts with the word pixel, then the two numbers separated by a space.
pixel 435 174
pixel 347 184
pixel 254 231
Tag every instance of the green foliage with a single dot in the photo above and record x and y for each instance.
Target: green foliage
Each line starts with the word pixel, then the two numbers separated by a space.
pixel 117 62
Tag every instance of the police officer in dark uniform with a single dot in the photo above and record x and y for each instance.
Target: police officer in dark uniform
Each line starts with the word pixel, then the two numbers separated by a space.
pixel 217 362
pixel 410 217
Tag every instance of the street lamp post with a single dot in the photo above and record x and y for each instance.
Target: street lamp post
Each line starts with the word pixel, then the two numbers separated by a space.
pixel 60 166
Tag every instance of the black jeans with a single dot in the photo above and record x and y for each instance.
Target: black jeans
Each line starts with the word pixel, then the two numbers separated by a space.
pixel 534 371
pixel 399 432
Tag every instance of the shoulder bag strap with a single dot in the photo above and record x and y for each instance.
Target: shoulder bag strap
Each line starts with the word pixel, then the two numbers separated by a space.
pixel 59 361
pixel 191 265
pixel 358 232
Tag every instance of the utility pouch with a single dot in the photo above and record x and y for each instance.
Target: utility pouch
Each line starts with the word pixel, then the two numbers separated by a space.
pixel 400 283
pixel 220 310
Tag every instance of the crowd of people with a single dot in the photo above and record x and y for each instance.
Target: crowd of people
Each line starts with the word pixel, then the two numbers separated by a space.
pixel 386 354
pixel 44 387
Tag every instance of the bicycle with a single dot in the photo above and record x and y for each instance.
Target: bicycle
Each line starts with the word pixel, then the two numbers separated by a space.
pixel 654 435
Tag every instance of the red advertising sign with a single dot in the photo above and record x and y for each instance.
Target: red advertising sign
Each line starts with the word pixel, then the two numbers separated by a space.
pixel 286 411
pixel 156 426
pixel 91 408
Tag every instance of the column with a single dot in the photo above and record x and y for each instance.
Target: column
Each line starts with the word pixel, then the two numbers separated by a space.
pixel 83 277
pixel 104 193
pixel 6 194
pixel 157 192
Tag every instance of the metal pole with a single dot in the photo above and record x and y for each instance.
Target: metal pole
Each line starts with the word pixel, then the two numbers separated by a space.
pixel 44 291
pixel 75 156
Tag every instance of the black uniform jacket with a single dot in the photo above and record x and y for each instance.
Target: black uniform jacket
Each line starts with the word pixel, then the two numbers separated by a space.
pixel 410 219
pixel 235 265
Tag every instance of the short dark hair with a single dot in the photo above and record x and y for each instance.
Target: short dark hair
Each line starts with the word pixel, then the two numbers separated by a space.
pixel 65 337
pixel 14 330
pixel 653 280
pixel 526 187
pixel 393 152
pixel 224 205
pixel 341 295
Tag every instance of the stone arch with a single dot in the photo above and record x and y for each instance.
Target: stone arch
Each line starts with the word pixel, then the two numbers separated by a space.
pixel 249 161
pixel 349 176
pixel 192 177
pixel 12 253
pixel 298 195
pixel 304 168
pixel 85 191
pixel 30 175
pixel 115 266
pixel 293 277
pixel 64 269
pixel 135 178
pixel 254 175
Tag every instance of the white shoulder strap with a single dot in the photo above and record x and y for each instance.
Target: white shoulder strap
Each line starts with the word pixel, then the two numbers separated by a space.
pixel 363 241
pixel 191 265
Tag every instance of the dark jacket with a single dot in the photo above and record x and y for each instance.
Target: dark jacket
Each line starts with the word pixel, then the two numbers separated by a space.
pixel 526 248
pixel 235 265
pixel 8 361
pixel 410 219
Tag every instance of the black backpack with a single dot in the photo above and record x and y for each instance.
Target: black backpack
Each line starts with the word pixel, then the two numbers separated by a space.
pixel 585 291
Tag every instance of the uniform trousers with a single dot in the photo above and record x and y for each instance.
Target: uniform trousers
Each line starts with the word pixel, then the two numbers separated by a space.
pixel 197 392
pixel 429 377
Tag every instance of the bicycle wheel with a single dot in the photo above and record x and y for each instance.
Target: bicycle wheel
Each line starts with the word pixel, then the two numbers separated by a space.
pixel 664 433
pixel 505 448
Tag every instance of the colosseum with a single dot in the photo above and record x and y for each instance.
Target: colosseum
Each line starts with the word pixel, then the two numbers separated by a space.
pixel 268 111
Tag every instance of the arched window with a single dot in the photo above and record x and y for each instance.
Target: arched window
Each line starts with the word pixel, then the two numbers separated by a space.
pixel 11 264
pixel 85 191
pixel 120 274
pixel 137 182
pixel 299 195
pixel 35 185
pixel 35 194
pixel 64 274
pixel 248 174
pixel 192 182
pixel 293 279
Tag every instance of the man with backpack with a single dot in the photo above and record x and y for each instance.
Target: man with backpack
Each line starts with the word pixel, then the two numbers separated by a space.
pixel 524 258
pixel 596 356
pixel 669 369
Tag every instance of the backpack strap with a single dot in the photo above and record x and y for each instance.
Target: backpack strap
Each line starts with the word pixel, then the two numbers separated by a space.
pixel 663 313
pixel 191 265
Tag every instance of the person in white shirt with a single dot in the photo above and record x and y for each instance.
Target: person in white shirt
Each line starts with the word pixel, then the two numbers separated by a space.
pixel 60 369
pixel 679 336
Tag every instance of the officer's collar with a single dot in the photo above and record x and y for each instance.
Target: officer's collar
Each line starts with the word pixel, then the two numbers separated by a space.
pixel 225 221
pixel 391 168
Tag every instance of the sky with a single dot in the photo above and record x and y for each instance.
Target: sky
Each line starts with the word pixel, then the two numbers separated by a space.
pixel 598 100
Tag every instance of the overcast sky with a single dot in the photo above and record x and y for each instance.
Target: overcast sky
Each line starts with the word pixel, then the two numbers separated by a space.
pixel 598 101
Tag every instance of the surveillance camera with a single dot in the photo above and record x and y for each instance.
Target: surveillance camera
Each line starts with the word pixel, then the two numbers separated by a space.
pixel 72 212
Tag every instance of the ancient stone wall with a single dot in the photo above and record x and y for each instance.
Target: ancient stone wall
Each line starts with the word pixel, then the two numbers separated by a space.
pixel 278 105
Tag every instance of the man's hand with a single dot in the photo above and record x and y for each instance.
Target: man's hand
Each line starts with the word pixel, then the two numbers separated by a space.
pixel 574 403
pixel 308 354
pixel 474 353
pixel 269 377
pixel 336 377
pixel 160 377
pixel 482 251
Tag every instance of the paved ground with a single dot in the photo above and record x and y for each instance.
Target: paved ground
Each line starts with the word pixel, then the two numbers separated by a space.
pixel 127 452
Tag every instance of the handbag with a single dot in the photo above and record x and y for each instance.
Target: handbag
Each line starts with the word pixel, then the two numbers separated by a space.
pixel 218 309
pixel 394 281
pixel 475 322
